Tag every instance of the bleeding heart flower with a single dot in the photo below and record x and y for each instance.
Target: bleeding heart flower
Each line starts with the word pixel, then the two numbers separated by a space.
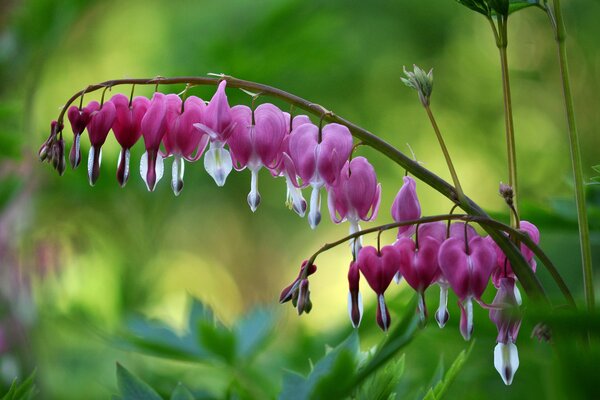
pixel 355 196
pixel 379 268
pixel 503 267
pixel 101 120
pixel 154 127
pixel 79 120
pixel 467 266
pixel 256 142
pixel 504 312
pixel 355 304
pixel 218 125
pixel 318 158
pixel 419 266
pixel 406 206
pixel 183 140
pixel 127 128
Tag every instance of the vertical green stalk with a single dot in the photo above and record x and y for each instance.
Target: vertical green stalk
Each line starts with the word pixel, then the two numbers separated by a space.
pixel 584 232
pixel 501 36
pixel 459 192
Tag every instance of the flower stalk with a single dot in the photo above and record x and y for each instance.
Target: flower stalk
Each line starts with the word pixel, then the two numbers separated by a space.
pixel 560 35
pixel 501 37
pixel 520 266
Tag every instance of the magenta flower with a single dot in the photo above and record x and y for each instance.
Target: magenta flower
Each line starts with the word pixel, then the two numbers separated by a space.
pixel 504 313
pixel 379 268
pixel 288 292
pixel 355 304
pixel 79 120
pixel 467 266
pixel 419 266
pixel 406 206
pixel 154 126
pixel 183 140
pixel 355 196
pixel 318 158
pixel 101 120
pixel 256 142
pixel 285 167
pixel 218 125
pixel 127 128
pixel 503 268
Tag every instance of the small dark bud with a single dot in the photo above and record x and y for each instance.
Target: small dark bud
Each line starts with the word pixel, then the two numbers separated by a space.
pixel 43 152
pixel 507 193
pixel 542 332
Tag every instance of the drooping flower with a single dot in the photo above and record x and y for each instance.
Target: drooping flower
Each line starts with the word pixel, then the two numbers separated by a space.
pixel 467 265
pixel 419 266
pixel 285 167
pixel 154 127
pixel 256 142
pixel 218 125
pixel 503 267
pixel 379 268
pixel 504 313
pixel 318 156
pixel 291 290
pixel 406 206
pixel 183 140
pixel 438 231
pixel 355 304
pixel 101 120
pixel 127 128
pixel 355 196
pixel 79 119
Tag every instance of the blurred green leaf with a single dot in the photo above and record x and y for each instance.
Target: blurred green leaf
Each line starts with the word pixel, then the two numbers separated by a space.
pixel 252 332
pixel 516 5
pixel 440 389
pixel 133 388
pixel 158 339
pixel 331 376
pixel 181 393
pixel 218 340
pixel 479 6
pixel 21 391
pixel 381 385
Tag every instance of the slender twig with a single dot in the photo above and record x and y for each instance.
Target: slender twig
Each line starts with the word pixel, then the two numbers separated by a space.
pixel 483 221
pixel 530 283
pixel 501 36
pixel 557 22
pixel 459 191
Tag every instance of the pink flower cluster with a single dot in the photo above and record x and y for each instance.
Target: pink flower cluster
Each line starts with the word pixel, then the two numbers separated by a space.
pixel 450 255
pixel 231 138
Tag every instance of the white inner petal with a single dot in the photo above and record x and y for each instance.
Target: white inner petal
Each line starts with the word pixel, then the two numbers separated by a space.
pixel 314 214
pixel 217 162
pixel 506 361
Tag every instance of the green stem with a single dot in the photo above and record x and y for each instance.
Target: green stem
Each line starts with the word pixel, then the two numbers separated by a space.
pixel 521 268
pixel 459 191
pixel 557 21
pixel 501 36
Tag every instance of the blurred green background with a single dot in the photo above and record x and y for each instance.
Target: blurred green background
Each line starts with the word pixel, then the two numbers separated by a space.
pixel 76 262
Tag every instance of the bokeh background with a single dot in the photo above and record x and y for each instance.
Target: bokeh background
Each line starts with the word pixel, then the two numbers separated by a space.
pixel 77 262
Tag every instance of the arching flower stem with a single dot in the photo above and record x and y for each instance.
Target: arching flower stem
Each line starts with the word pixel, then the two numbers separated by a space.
pixel 520 266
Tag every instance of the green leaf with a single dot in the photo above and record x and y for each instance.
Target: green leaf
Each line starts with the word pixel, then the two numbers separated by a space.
pixel 596 168
pixel 516 5
pixel 331 377
pixel 181 393
pixel 217 340
pixel 22 391
pixel 441 387
pixel 133 388
pixel 381 385
pixel 479 6
pixel 253 331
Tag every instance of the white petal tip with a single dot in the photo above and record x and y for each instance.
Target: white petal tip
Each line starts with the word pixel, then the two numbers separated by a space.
pixel 506 361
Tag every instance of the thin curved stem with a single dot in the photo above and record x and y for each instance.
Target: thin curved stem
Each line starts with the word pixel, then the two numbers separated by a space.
pixel 521 268
pixel 459 191
pixel 558 25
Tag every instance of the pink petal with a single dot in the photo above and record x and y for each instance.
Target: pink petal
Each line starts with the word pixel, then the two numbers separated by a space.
pixel 101 122
pixel 454 266
pixel 406 205
pixel 270 131
pixel 154 123
pixel 334 151
pixel 302 150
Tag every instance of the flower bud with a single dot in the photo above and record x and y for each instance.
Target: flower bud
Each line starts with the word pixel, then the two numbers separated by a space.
pixel 304 304
pixel 421 81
